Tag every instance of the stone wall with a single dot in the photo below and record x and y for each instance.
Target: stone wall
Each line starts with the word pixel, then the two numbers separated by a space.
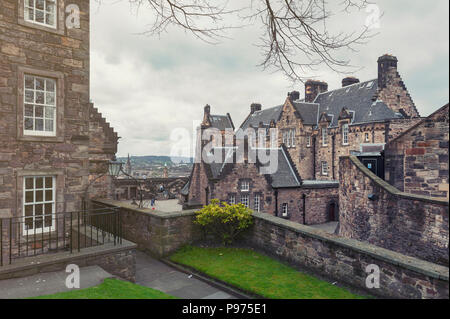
pixel 410 224
pixel 317 203
pixel 345 260
pixel 117 260
pixel 335 258
pixel 417 161
pixel 157 233
pixel 61 54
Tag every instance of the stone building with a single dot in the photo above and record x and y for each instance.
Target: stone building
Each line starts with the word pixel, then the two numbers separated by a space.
pixel 312 134
pixel 53 141
pixel 417 160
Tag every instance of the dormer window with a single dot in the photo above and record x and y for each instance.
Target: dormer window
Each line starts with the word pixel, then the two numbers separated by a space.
pixel 324 136
pixel 245 186
pixel 42 12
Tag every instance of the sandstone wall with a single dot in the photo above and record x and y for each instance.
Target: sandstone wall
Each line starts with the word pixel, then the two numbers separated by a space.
pixel 410 224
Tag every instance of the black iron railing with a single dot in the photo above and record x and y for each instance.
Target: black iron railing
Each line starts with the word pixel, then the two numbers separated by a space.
pixel 28 236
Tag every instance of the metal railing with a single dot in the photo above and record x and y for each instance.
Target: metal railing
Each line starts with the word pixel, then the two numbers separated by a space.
pixel 28 236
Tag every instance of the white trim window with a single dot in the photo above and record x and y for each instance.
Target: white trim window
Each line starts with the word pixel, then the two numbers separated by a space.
pixel 244 200
pixel 308 140
pixel 324 136
pixel 245 186
pixel 39 204
pixel 293 137
pixel 345 134
pixel 232 199
pixel 325 168
pixel 42 12
pixel 366 137
pixel 39 106
pixel 257 203
pixel 284 209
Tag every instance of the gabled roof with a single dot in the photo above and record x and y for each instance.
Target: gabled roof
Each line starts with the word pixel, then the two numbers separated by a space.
pixel 265 116
pixel 286 175
pixel 357 99
pixel 221 122
pixel 307 111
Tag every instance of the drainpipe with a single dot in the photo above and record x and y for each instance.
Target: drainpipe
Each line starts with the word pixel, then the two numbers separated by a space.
pixel 276 203
pixel 304 208
pixel 333 150
pixel 314 157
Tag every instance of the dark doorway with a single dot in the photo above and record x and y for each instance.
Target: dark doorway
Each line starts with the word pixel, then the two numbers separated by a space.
pixel 332 213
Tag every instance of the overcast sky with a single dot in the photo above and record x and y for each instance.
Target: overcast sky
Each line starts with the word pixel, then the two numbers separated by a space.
pixel 147 86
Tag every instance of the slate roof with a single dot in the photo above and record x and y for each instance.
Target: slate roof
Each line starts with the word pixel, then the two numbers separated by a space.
pixel 221 122
pixel 265 116
pixel 185 189
pixel 286 175
pixel 309 112
pixel 359 100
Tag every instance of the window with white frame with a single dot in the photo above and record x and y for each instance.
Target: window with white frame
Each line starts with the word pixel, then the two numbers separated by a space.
pixel 257 203
pixel 244 200
pixel 345 134
pixel 41 12
pixel 289 138
pixel 366 137
pixel 324 168
pixel 293 137
pixel 308 140
pixel 284 209
pixel 324 136
pixel 39 204
pixel 232 199
pixel 245 186
pixel 39 106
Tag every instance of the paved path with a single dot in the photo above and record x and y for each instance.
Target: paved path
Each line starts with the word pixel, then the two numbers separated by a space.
pixel 157 275
pixel 49 283
pixel 149 272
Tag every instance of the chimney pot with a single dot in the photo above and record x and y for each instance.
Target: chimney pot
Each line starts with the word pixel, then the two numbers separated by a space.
pixel 254 107
pixel 349 81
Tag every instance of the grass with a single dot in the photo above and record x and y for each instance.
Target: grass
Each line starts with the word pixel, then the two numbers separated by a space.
pixel 111 289
pixel 258 274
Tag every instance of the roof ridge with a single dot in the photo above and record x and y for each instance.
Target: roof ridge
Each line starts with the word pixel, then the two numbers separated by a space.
pixel 345 87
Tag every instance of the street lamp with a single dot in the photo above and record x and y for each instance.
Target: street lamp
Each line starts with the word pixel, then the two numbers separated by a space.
pixel 114 168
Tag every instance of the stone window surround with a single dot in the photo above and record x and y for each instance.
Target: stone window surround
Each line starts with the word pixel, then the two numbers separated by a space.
pixel 60 18
pixel 285 210
pixel 59 188
pixel 59 123
pixel 324 133
pixel 308 140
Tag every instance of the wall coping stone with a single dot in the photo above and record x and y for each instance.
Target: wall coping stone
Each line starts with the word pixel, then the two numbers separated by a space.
pixel 148 211
pixel 411 263
pixel 391 189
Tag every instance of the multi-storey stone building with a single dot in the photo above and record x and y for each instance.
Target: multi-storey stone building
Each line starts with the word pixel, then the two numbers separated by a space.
pixel 311 134
pixel 52 139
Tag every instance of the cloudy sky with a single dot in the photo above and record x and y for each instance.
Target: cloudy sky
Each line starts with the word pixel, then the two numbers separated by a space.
pixel 147 86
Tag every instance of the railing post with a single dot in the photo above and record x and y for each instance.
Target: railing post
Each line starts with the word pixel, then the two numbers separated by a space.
pixel 10 240
pixel 1 242
pixel 71 232
pixel 78 232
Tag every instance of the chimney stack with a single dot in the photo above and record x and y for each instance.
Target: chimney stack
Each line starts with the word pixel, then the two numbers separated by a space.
pixel 314 88
pixel 207 109
pixel 350 80
pixel 386 64
pixel 294 95
pixel 254 107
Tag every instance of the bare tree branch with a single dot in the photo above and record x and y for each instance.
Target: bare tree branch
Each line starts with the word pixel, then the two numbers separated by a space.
pixel 295 38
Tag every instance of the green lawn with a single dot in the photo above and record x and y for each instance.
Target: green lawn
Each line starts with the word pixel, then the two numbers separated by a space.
pixel 111 289
pixel 259 274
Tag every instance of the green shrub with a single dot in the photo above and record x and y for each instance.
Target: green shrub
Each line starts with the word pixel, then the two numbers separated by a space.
pixel 223 220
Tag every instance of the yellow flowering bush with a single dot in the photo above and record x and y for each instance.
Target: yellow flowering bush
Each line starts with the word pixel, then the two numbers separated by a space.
pixel 223 220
